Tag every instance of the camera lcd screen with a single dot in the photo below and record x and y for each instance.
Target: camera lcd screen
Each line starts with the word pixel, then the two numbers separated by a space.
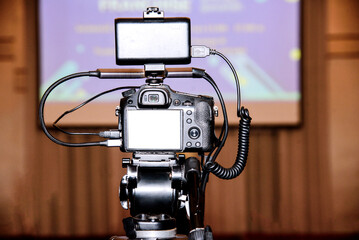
pixel 153 130
pixel 140 42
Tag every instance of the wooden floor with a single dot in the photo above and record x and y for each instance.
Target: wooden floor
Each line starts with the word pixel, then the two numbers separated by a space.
pixel 251 236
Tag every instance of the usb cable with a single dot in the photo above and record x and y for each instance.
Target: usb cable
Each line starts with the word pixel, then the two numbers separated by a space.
pixel 200 51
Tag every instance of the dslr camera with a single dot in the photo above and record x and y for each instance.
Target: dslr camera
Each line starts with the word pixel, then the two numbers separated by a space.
pixel 164 189
pixel 156 118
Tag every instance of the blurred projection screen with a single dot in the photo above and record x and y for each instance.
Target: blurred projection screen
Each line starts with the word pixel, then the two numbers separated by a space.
pixel 260 37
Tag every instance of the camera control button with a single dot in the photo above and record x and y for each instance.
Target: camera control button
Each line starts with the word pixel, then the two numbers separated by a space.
pixel 198 144
pixel 189 121
pixel 176 102
pixel 189 112
pixel 189 144
pixel 194 133
pixel 187 103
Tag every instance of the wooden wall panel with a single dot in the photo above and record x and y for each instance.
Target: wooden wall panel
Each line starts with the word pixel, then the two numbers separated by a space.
pixel 343 17
pixel 343 62
pixel 13 91
pixel 344 140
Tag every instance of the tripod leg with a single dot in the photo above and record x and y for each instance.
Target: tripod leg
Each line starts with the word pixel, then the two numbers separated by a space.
pixel 196 202
pixel 196 199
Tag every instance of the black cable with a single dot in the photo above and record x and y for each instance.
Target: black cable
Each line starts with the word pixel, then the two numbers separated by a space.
pixel 238 86
pixel 243 138
pixel 215 52
pixel 224 133
pixel 42 106
pixel 225 117
pixel 83 104
pixel 222 141
pixel 242 153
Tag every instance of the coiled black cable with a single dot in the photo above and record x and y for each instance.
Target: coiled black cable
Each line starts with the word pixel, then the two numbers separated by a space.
pixel 242 153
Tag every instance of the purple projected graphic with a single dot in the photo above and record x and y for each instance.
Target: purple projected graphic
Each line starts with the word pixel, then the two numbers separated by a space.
pixel 260 37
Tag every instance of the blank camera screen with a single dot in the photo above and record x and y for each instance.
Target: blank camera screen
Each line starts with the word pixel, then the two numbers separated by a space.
pixel 154 129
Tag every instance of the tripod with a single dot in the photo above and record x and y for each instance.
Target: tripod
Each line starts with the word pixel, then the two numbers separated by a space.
pixel 161 188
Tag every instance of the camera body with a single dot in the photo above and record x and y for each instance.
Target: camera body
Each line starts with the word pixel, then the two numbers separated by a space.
pixel 158 119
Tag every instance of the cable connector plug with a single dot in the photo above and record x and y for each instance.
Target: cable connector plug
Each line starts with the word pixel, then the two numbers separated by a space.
pixel 200 51
pixel 114 143
pixel 114 134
